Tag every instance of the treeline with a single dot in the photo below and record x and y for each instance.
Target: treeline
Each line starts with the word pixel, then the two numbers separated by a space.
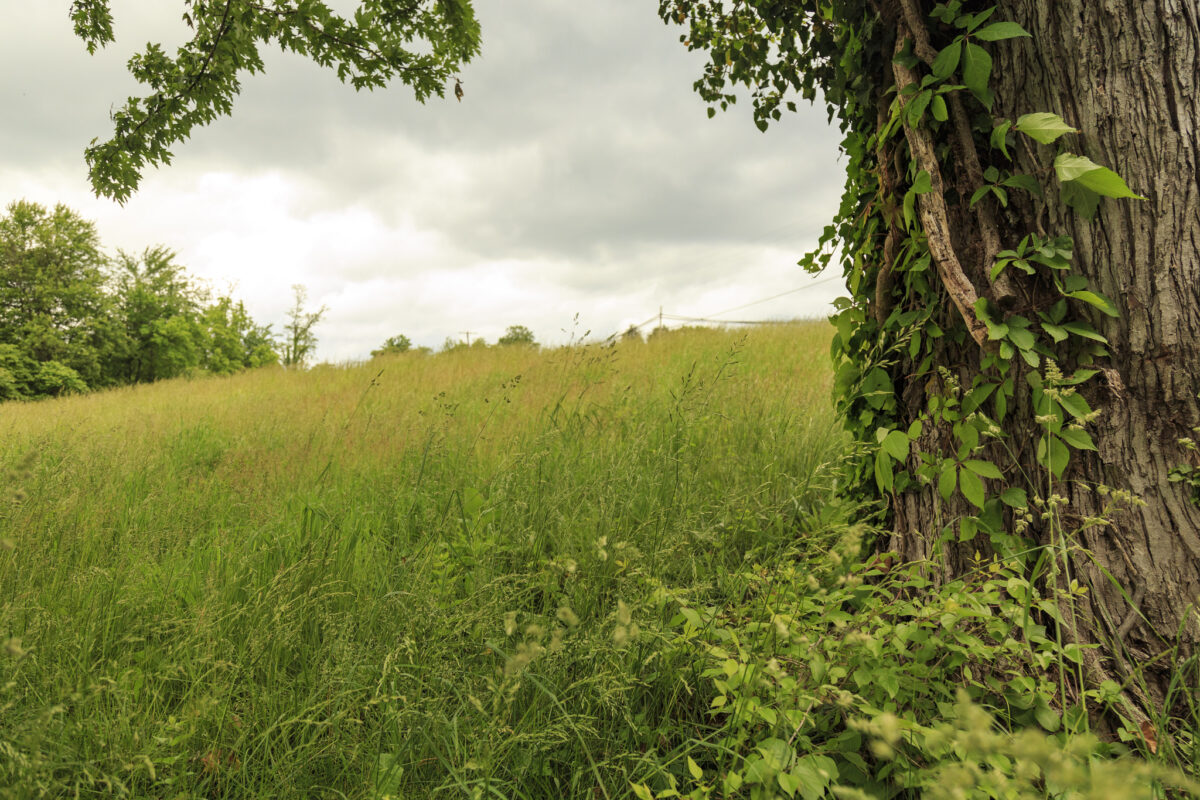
pixel 73 318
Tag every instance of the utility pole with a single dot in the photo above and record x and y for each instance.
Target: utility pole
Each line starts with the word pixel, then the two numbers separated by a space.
pixel 468 335
pixel 660 316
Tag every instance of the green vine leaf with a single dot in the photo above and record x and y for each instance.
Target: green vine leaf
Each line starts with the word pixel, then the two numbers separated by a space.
pixel 998 31
pixel 896 445
pixel 972 487
pixel 1090 175
pixel 947 60
pixel 938 108
pixel 1043 127
pixel 984 469
pixel 948 480
pixel 999 138
pixel 1076 405
pixel 1026 182
pixel 1014 497
pixel 1078 438
pixel 915 109
pixel 977 71
pixel 923 183
pixel 1098 300
pixel 1053 454
pixel 1081 198
pixel 1084 330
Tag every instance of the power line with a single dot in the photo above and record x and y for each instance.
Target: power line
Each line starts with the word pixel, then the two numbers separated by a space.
pixel 660 316
pixel 777 296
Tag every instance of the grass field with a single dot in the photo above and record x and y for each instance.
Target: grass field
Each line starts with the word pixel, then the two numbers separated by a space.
pixel 420 577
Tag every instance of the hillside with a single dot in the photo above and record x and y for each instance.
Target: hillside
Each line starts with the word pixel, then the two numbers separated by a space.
pixel 413 577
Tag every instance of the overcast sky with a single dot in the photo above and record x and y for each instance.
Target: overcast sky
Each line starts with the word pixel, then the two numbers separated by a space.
pixel 578 176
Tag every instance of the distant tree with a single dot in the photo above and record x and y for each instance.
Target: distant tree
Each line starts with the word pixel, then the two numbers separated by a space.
pixel 160 308
pixel 517 334
pixel 632 334
pixel 396 344
pixel 451 345
pixel 299 341
pixel 233 341
pixel 53 307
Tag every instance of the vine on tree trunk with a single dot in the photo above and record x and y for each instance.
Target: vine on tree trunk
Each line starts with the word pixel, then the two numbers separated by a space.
pixel 960 325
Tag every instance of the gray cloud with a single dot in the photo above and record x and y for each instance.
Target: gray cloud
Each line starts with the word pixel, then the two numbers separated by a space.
pixel 579 174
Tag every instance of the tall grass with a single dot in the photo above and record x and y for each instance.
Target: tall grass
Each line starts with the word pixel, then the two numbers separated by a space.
pixel 418 577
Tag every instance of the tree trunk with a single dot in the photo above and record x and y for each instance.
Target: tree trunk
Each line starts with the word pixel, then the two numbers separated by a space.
pixel 1126 73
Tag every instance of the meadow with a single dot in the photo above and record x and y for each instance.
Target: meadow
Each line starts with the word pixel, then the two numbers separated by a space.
pixel 421 576
pixel 591 572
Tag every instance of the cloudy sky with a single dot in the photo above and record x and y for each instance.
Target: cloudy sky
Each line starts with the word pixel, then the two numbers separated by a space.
pixel 579 176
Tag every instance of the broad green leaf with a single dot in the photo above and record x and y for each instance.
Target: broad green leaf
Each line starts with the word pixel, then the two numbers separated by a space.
pixel 999 139
pixel 923 183
pixel 884 476
pixel 1098 300
pixel 1076 405
pixel 937 107
pixel 973 21
pixel 1057 333
pixel 998 31
pixel 948 480
pixel 972 487
pixel 1046 716
pixel 694 769
pixel 1022 338
pixel 1091 175
pixel 1081 198
pixel 1043 126
pixel 1084 330
pixel 947 60
pixel 896 445
pixel 1015 497
pixel 984 469
pixel 976 71
pixel 915 110
pixel 1026 182
pixel 1053 454
pixel 788 782
pixel 1078 438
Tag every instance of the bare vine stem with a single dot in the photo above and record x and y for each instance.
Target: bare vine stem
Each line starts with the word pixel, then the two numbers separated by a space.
pixel 935 217
pixel 1003 288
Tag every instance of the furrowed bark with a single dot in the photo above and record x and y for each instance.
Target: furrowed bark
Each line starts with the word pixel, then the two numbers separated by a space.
pixel 1127 74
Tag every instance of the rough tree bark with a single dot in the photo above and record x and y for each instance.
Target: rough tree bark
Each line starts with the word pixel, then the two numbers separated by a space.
pixel 1126 73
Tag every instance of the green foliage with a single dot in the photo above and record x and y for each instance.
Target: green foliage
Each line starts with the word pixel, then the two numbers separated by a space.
pixel 517 334
pixel 299 340
pixel 395 344
pixel 420 44
pixel 72 319
pixel 967 393
pixel 855 681
pixel 896 329
pixel 53 306
pixel 159 307
pixel 233 341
